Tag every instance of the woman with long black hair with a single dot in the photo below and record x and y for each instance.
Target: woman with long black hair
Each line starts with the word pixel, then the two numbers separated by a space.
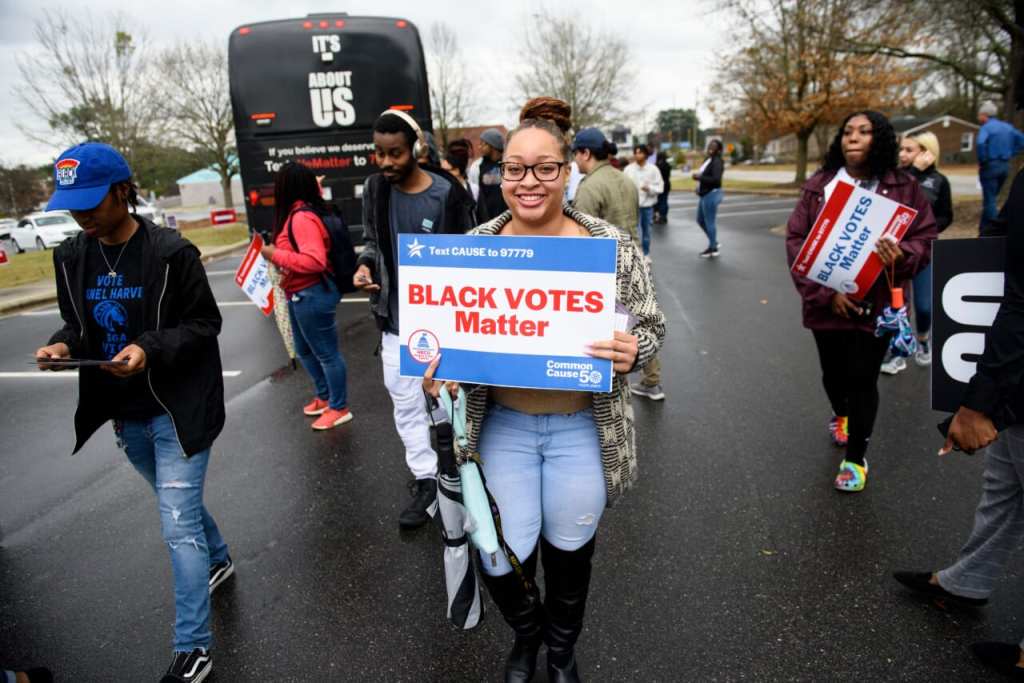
pixel 300 248
pixel 709 192
pixel 864 153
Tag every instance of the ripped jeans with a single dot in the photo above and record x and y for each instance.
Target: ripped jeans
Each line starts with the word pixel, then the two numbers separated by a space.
pixel 545 474
pixel 188 529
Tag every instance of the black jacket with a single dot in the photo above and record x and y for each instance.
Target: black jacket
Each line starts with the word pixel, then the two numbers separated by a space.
pixel 711 178
pixel 490 203
pixel 936 189
pixel 378 254
pixel 666 173
pixel 997 388
pixel 182 322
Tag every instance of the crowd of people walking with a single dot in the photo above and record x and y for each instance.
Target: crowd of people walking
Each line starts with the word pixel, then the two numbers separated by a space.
pixel 550 458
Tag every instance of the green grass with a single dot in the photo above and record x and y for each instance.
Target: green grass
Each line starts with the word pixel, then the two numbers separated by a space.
pixel 22 269
pixel 690 185
pixel 37 266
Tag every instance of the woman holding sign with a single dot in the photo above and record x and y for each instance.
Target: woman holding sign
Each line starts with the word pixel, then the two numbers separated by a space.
pixel 553 460
pixel 300 251
pixel 863 153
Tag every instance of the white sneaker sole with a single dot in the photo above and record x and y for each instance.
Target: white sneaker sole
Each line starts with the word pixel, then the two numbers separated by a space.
pixel 222 577
pixel 653 397
pixel 340 421
pixel 314 413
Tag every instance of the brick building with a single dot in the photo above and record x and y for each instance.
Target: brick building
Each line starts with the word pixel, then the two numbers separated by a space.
pixel 472 134
pixel 956 137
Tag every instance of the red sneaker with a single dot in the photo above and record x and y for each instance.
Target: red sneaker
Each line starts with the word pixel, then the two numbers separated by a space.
pixel 315 407
pixel 332 418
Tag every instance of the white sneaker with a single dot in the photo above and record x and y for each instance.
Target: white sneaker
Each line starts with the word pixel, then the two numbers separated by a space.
pixel 923 354
pixel 894 365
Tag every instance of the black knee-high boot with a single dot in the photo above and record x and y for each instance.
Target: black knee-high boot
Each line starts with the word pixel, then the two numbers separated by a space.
pixel 524 613
pixel 566 584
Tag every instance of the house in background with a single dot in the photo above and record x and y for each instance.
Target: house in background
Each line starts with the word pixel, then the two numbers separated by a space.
pixel 203 188
pixel 956 137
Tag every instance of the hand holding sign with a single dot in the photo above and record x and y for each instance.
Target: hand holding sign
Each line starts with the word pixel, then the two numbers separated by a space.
pixel 622 351
pixel 889 251
pixel 433 386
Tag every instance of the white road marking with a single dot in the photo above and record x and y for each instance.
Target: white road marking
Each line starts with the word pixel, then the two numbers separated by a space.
pixel 220 272
pixel 72 374
pixel 781 209
pixel 221 304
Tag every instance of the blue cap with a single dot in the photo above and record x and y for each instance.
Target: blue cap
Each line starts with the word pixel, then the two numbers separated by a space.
pixel 589 138
pixel 83 175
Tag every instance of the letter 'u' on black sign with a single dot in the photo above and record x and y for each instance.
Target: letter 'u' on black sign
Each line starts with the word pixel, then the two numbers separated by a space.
pixel 967 288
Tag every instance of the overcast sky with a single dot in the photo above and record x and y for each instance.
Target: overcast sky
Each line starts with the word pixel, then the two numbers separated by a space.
pixel 673 44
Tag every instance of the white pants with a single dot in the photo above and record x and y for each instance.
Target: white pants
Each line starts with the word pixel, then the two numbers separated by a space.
pixel 411 419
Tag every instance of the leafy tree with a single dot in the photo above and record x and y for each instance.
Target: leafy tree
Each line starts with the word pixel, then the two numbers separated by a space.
pixel 22 189
pixel 677 125
pixel 786 75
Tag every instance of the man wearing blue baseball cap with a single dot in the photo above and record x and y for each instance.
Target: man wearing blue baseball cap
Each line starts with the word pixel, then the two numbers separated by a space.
pixel 141 324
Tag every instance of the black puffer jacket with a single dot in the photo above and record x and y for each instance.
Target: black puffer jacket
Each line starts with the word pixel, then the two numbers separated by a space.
pixel 182 322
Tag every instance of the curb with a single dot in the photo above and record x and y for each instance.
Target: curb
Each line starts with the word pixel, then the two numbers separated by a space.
pixel 40 298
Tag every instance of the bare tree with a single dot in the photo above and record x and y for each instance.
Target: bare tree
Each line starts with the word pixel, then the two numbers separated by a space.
pixel 452 96
pixel 566 58
pixel 89 78
pixel 196 95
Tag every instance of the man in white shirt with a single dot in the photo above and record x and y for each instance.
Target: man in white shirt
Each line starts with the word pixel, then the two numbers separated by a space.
pixel 649 185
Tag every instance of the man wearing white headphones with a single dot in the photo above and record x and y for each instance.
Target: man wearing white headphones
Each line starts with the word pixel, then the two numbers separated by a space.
pixel 403 197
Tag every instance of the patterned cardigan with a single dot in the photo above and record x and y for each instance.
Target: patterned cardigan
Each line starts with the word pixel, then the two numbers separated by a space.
pixel 613 412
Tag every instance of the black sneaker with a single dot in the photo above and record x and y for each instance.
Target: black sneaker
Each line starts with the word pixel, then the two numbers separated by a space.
pixel 920 583
pixel 423 492
pixel 708 253
pixel 189 667
pixel 220 572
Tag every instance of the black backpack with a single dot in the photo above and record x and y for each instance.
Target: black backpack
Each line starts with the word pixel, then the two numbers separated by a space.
pixel 341 256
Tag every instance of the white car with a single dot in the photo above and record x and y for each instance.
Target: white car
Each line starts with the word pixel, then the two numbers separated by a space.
pixel 43 230
pixel 148 209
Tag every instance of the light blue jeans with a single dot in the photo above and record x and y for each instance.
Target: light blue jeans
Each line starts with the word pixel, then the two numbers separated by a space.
pixel 707 216
pixel 545 474
pixel 646 218
pixel 188 529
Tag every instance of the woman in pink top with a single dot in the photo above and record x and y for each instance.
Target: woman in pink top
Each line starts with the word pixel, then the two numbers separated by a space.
pixel 301 243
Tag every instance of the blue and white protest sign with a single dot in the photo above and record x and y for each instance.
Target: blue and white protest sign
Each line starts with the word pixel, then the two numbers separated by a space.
pixel 506 310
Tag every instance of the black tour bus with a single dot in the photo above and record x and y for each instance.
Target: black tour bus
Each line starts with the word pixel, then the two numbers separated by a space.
pixel 309 90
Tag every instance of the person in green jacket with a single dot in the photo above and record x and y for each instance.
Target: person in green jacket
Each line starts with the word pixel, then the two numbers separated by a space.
pixel 606 193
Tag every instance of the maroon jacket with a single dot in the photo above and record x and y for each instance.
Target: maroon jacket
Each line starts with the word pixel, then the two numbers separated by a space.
pixel 916 245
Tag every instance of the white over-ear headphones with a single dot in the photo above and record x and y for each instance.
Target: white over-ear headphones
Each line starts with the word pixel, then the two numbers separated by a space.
pixel 421 142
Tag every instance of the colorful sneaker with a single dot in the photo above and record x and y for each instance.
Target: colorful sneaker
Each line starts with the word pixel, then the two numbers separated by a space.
pixel 894 365
pixel 923 354
pixel 315 407
pixel 332 418
pixel 852 477
pixel 839 430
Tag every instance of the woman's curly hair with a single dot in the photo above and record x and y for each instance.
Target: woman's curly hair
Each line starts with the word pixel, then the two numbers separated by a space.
pixel 883 155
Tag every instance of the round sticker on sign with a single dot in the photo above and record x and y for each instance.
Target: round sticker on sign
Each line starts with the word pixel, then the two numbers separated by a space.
pixel 849 286
pixel 423 346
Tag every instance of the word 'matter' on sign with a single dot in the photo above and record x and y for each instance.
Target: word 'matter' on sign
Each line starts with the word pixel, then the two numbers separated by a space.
pixel 839 252
pixel 464 296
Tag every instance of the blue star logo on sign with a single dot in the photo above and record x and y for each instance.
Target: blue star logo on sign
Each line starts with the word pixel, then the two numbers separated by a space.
pixel 416 249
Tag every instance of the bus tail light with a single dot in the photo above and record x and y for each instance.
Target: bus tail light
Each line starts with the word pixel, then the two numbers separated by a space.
pixel 244 31
pixel 339 23
pixel 307 24
pixel 264 118
pixel 402 23
pixel 402 107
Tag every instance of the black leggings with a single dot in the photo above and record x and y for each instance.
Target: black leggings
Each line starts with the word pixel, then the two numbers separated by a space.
pixel 850 360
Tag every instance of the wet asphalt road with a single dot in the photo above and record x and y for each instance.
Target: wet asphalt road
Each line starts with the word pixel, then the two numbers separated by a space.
pixel 732 559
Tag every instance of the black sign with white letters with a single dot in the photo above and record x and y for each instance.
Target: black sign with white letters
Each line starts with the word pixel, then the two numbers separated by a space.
pixel 967 287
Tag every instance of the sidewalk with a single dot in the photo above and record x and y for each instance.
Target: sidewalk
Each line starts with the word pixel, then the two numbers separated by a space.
pixel 40 293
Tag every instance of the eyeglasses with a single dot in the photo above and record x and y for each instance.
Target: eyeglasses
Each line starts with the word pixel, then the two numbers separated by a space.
pixel 544 171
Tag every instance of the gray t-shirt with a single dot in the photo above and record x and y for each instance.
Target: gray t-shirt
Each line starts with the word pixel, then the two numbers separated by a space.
pixel 422 212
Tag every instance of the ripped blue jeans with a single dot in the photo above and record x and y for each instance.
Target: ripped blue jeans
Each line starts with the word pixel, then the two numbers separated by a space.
pixel 545 474
pixel 188 529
